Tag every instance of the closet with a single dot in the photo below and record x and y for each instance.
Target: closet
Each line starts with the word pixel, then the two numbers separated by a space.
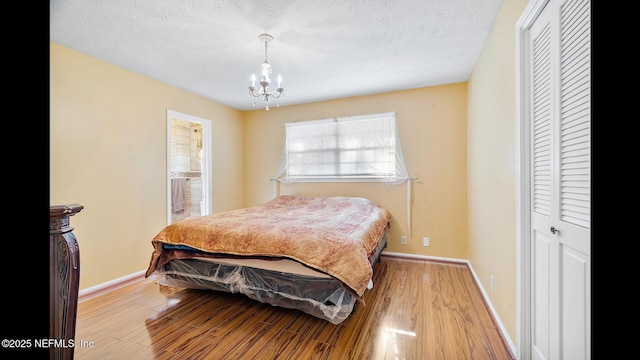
pixel 555 85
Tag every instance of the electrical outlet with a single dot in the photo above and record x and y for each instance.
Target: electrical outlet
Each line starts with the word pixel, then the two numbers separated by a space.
pixel 425 241
pixel 492 281
pixel 404 240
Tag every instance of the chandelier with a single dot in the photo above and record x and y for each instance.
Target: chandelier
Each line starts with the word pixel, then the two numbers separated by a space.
pixel 263 90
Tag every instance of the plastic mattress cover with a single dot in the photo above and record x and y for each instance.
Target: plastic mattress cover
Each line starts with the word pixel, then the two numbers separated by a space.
pixel 324 298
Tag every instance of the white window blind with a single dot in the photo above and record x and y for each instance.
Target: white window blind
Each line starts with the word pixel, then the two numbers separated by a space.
pixel 356 148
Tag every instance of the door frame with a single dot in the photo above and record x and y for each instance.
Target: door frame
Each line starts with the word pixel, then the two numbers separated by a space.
pixel 523 183
pixel 207 184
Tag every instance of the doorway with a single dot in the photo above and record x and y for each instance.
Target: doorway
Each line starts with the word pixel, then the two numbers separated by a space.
pixel 188 170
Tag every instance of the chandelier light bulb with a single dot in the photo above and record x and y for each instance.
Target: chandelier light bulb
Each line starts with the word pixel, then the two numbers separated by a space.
pixel 266 70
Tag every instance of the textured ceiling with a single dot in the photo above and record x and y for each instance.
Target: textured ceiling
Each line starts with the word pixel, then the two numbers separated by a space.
pixel 324 49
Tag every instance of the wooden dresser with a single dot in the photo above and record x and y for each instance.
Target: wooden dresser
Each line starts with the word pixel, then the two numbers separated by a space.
pixel 64 278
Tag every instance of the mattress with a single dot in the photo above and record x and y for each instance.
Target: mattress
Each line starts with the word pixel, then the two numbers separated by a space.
pixel 314 254
pixel 283 283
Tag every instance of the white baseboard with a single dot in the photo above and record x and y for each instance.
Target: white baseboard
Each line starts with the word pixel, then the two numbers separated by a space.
pixel 108 286
pixel 424 257
pixel 503 331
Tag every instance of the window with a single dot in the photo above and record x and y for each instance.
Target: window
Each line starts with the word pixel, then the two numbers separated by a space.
pixel 356 148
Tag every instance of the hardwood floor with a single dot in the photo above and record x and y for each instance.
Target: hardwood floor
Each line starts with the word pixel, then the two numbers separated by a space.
pixel 417 310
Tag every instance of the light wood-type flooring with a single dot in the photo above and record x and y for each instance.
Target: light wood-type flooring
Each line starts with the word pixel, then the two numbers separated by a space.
pixel 417 309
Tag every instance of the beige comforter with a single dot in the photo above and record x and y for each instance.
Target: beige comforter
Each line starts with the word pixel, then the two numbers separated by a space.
pixel 335 235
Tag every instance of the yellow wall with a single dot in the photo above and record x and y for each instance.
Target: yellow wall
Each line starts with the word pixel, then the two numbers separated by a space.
pixel 108 135
pixel 492 164
pixel 432 126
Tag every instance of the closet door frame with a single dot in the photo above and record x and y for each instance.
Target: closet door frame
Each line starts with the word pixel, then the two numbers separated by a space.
pixel 523 183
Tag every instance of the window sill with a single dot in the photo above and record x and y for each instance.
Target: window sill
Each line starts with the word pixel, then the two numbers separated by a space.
pixel 341 179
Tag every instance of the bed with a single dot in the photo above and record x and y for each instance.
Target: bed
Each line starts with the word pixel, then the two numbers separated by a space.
pixel 308 253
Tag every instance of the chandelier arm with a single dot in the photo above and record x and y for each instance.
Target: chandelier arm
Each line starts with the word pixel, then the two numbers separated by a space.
pixel 255 92
pixel 278 94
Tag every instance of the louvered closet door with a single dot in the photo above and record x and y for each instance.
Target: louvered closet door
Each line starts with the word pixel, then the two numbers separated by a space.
pixel 561 171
